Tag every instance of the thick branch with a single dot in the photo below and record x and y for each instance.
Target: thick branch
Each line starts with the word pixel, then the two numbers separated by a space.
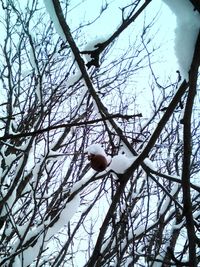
pixel 187 202
pixel 196 4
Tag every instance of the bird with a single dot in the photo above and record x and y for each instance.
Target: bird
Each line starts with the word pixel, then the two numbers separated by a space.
pixel 98 162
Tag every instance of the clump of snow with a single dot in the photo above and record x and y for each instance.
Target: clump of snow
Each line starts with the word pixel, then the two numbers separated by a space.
pixel 73 79
pixel 38 92
pixel 149 163
pixel 167 201
pixel 143 228
pixel 83 181
pixel 9 159
pixel 95 149
pixel 32 59
pixel 30 254
pixel 65 216
pixel 188 24
pixel 125 149
pixel 51 10
pixel 179 225
pixel 91 46
pixel 120 163
pixel 17 262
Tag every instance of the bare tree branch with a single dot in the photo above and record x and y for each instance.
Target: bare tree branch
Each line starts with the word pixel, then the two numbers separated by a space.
pixel 193 74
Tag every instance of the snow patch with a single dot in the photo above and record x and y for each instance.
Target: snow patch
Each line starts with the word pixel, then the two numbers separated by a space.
pixel 65 216
pixel 188 24
pixel 149 163
pixel 96 149
pixel 167 201
pixel 83 181
pixel 120 163
pixel 17 262
pixel 32 59
pixel 50 9
pixel 90 46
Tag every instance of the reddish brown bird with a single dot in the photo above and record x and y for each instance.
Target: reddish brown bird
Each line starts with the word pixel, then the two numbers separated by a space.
pixel 98 162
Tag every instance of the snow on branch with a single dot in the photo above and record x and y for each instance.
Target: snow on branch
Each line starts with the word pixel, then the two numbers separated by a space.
pixel 64 217
pixel 37 236
pixel 186 32
pixel 51 10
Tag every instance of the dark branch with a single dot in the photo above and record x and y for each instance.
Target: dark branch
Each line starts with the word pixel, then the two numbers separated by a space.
pixel 187 146
pixel 67 125
pixel 177 262
pixel 196 4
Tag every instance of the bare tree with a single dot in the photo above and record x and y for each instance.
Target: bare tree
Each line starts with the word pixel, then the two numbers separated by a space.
pixel 58 98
